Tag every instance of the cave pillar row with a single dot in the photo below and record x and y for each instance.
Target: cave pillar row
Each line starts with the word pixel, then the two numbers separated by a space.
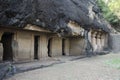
pixel 93 40
pixel 1 46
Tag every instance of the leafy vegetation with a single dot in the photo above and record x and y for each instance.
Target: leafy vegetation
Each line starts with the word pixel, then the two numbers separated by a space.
pixel 114 63
pixel 111 11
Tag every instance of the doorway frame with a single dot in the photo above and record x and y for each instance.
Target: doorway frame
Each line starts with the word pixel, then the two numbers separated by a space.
pixel 63 47
pixel 11 54
pixel 50 47
pixel 36 47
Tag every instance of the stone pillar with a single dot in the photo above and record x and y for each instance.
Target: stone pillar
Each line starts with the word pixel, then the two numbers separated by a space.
pixel 90 36
pixel 99 42
pixel 77 46
pixel 43 49
pixel 1 51
pixel 102 41
pixel 32 47
pixel 56 47
pixel 94 43
pixel 106 40
pixel 1 47
pixel 1 33
pixel 15 47
pixel 67 47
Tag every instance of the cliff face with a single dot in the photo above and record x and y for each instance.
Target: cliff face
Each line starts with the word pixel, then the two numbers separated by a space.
pixel 51 14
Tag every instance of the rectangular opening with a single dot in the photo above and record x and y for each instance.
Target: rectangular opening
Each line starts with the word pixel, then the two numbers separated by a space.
pixel 7 46
pixel 49 47
pixel 63 47
pixel 36 46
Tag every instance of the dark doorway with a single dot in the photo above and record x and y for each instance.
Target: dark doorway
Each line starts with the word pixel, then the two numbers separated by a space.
pixel 7 46
pixel 49 47
pixel 63 47
pixel 36 45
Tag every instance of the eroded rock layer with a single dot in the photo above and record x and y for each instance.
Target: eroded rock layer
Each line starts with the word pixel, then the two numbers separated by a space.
pixel 51 14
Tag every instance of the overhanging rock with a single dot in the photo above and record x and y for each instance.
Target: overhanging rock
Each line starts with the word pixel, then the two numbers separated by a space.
pixel 52 14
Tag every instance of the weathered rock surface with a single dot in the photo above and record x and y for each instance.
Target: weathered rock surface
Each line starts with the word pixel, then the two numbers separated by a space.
pixel 51 14
pixel 115 42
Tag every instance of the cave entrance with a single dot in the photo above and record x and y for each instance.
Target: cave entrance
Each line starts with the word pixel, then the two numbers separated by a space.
pixel 36 46
pixel 7 38
pixel 63 47
pixel 50 47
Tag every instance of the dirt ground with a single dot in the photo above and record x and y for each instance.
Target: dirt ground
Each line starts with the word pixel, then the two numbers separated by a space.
pixel 91 68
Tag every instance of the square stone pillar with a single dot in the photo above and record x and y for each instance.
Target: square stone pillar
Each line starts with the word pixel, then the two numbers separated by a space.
pixel 43 47
pixel 1 46
pixel 67 47
pixel 90 36
pixel 1 33
pixel 106 41
pixel 1 51
pixel 56 47
pixel 102 41
pixel 94 42
pixel 99 42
